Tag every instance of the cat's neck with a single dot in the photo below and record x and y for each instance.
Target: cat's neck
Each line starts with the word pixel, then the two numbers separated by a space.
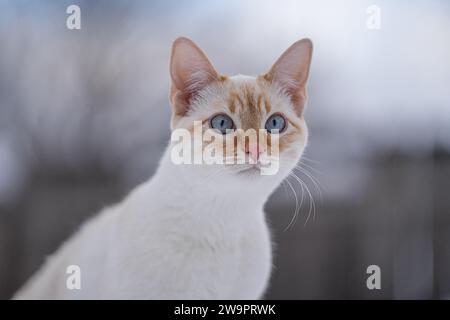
pixel 208 191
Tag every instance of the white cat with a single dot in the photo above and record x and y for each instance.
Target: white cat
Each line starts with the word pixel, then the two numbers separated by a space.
pixel 194 231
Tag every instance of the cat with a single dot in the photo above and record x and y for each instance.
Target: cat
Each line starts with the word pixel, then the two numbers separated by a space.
pixel 194 231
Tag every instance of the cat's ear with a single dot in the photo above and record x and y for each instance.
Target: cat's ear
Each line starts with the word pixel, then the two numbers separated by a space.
pixel 290 72
pixel 190 71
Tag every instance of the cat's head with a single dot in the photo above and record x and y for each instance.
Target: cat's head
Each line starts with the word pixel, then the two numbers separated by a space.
pixel 227 108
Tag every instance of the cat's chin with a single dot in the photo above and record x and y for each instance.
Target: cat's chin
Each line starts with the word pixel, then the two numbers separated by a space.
pixel 251 171
pixel 254 173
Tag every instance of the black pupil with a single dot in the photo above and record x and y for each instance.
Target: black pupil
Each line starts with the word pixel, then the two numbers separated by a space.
pixel 222 123
pixel 274 122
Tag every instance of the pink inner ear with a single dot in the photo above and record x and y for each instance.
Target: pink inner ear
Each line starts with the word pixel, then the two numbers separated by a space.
pixel 190 71
pixel 290 72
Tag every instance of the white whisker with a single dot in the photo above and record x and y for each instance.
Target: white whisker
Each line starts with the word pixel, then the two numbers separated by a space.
pixel 292 174
pixel 310 160
pixel 310 167
pixel 316 183
pixel 312 204
pixel 296 206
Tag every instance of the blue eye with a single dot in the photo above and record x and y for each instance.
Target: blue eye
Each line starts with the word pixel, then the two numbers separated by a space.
pixel 275 122
pixel 222 122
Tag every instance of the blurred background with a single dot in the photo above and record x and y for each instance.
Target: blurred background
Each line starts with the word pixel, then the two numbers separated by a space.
pixel 84 119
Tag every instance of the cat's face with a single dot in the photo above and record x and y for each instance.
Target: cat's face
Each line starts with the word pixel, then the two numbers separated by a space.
pixel 254 124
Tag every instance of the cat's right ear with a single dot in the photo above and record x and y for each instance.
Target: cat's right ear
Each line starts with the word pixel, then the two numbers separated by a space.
pixel 190 71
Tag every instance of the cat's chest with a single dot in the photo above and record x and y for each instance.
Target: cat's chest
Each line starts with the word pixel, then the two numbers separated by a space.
pixel 254 263
pixel 220 259
pixel 242 260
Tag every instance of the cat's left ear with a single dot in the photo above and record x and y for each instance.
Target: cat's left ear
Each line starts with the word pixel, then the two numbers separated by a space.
pixel 190 71
pixel 290 72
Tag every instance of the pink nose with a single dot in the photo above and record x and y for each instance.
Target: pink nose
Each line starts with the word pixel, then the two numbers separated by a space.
pixel 254 152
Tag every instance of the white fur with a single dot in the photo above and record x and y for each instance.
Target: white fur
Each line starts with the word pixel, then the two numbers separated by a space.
pixel 191 232
pixel 172 238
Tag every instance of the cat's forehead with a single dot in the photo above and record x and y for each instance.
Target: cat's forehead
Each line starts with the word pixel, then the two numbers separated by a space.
pixel 248 98
pixel 249 86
